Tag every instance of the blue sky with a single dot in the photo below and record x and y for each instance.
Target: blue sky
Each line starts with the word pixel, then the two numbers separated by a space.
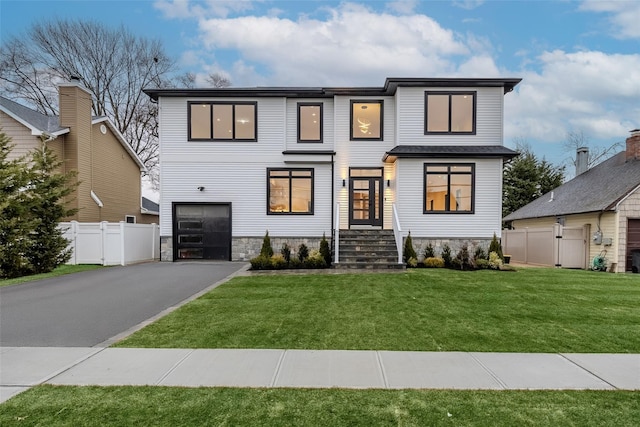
pixel 579 60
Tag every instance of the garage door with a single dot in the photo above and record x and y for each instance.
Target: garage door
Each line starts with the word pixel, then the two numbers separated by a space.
pixel 202 231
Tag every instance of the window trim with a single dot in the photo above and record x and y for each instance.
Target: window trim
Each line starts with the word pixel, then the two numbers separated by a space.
pixel 450 93
pixel 233 112
pixel 311 141
pixel 449 173
pixel 366 101
pixel 290 177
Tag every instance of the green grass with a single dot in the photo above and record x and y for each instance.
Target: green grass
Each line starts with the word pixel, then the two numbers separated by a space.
pixel 170 406
pixel 530 310
pixel 62 270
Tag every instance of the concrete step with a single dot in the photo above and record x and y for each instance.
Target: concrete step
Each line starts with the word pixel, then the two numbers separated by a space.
pixel 370 266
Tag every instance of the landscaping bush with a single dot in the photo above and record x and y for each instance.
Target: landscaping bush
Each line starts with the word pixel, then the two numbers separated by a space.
pixel 434 262
pixel 462 261
pixel 295 263
pixel 260 263
pixel 429 252
pixel 495 261
pixel 496 246
pixel 325 251
pixel 266 250
pixel 286 252
pixel 303 252
pixel 479 253
pixel 408 250
pixel 446 255
pixel 315 260
pixel 412 262
pixel 278 262
pixel 482 264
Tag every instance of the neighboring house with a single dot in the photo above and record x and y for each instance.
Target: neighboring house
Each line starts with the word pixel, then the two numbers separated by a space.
pixel 421 154
pixel 108 170
pixel 150 211
pixel 604 201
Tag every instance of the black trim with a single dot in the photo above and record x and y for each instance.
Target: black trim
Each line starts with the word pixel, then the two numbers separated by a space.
pixel 311 104
pixel 449 173
pixel 290 177
pixel 366 101
pixel 450 94
pixel 311 152
pixel 233 118
pixel 372 220
pixel 447 151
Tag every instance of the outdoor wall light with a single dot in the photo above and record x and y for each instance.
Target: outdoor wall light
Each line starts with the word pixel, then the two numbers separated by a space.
pixel 388 183
pixel 200 188
pixel 344 182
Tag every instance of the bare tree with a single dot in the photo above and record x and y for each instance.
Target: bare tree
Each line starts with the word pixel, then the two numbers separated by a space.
pixel 577 139
pixel 189 80
pixel 217 80
pixel 113 64
pixel 186 80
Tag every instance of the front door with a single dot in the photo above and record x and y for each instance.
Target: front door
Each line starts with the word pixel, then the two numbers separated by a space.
pixel 365 197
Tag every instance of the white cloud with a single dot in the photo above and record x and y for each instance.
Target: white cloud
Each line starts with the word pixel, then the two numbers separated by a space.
pixel 468 4
pixel 624 16
pixel 589 91
pixel 354 45
pixel 190 9
pixel 405 7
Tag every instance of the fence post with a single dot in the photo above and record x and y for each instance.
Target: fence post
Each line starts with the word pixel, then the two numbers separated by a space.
pixel 153 241
pixel 103 237
pixel 74 241
pixel 122 241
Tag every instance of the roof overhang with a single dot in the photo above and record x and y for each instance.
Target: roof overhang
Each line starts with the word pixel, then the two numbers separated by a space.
pixel 35 131
pixel 447 151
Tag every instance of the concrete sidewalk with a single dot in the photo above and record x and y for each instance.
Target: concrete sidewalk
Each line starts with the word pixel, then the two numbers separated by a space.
pixel 24 367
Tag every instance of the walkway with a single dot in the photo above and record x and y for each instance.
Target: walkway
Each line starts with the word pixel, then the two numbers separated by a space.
pixel 24 367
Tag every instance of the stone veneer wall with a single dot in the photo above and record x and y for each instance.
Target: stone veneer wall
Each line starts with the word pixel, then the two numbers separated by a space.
pixel 245 248
pixel 420 243
pixel 166 248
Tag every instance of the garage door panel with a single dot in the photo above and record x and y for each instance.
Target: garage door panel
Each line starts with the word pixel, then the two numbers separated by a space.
pixel 202 231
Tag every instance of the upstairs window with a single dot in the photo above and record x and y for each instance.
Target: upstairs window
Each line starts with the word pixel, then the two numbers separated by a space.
pixel 290 191
pixel 449 188
pixel 450 112
pixel 309 122
pixel 366 120
pixel 221 121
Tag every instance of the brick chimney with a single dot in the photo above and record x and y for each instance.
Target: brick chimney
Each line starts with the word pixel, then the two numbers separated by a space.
pixel 633 145
pixel 582 160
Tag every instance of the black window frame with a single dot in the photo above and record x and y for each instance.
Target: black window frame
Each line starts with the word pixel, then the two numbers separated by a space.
pixel 311 141
pixel 366 101
pixel 290 177
pixel 474 94
pixel 448 210
pixel 233 104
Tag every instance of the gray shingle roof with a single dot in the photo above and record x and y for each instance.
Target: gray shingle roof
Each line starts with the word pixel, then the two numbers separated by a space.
pixel 442 151
pixel 598 189
pixel 150 205
pixel 39 121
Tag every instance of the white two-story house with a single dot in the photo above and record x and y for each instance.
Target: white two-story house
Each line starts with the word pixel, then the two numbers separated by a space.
pixel 423 155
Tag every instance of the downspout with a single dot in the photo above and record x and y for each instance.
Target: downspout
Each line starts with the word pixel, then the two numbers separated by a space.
pixel 332 193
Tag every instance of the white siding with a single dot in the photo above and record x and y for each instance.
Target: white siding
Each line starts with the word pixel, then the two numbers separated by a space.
pixel 486 219
pixel 327 125
pixel 235 172
pixel 489 118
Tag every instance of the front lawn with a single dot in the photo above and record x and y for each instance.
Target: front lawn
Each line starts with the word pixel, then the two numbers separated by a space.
pixel 173 406
pixel 530 310
pixel 59 271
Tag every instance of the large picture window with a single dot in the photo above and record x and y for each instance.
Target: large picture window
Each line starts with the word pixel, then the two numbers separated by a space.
pixel 366 120
pixel 450 112
pixel 309 122
pixel 449 188
pixel 216 121
pixel 289 191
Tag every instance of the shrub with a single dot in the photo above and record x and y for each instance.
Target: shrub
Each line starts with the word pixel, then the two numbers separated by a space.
pixel 286 252
pixel 429 252
pixel 408 251
pixel 303 252
pixel 479 253
pixel 266 250
pixel 496 247
pixel 482 263
pixel 446 255
pixel 462 259
pixel 315 260
pixel 295 263
pixel 278 262
pixel 260 263
pixel 412 262
pixel 495 261
pixel 325 251
pixel 434 262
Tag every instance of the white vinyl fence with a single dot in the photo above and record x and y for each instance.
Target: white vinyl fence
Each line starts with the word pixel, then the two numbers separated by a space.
pixel 111 243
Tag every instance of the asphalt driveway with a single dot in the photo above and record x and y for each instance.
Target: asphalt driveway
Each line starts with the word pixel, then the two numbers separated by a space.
pixel 88 308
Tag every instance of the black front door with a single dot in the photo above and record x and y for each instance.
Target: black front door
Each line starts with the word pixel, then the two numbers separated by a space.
pixel 365 200
pixel 202 231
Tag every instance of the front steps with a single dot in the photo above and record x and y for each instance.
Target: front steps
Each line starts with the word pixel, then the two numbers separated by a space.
pixel 368 249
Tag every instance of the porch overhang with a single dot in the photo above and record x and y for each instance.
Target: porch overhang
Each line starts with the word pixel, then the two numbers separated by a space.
pixel 447 151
